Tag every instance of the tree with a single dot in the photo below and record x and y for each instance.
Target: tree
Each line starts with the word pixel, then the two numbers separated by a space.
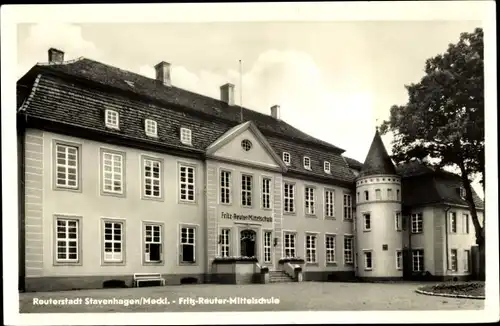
pixel 444 117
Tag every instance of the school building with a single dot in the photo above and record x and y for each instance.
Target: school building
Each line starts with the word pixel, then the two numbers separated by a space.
pixel 122 174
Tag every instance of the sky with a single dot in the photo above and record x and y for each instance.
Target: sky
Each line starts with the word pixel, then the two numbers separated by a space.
pixel 333 80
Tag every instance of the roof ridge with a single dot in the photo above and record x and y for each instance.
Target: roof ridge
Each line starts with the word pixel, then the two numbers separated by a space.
pixel 45 63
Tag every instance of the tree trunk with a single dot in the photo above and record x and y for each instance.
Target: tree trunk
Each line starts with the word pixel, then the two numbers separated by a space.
pixel 479 230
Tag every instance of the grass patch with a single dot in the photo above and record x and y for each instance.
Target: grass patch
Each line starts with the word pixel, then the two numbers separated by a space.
pixel 461 288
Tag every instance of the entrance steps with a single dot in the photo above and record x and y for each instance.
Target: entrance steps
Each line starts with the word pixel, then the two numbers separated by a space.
pixel 279 277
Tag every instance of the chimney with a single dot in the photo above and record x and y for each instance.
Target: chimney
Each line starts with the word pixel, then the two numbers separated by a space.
pixel 56 56
pixel 227 93
pixel 163 73
pixel 275 111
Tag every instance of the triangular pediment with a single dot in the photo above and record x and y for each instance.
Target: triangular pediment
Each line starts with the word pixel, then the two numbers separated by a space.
pixel 232 145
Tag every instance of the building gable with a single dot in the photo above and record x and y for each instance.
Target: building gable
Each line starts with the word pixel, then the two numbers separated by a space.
pixel 245 144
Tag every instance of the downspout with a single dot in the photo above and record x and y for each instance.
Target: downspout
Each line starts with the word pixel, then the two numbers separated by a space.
pixel 447 255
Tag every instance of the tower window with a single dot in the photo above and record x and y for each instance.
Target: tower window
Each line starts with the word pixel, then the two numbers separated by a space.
pixel 367 196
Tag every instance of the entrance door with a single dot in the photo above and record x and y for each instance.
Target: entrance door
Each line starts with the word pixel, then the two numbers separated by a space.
pixel 247 243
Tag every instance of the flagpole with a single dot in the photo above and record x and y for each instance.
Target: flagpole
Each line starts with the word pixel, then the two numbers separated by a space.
pixel 241 94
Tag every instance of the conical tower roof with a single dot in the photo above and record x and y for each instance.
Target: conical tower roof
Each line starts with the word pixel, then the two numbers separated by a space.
pixel 378 160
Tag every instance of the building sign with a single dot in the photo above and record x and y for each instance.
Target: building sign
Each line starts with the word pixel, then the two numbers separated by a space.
pixel 234 216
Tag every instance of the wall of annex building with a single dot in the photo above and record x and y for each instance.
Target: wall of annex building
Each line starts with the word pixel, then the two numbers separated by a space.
pixel 91 207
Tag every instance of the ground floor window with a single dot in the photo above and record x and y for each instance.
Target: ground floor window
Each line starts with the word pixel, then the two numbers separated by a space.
pixel 466 260
pixel 311 256
pixel 267 246
pixel 330 248
pixel 348 249
pixel 399 259
pixel 418 260
pixel 224 242
pixel 368 260
pixel 153 243
pixel 67 240
pixel 289 244
pixel 113 241
pixel 187 245
pixel 453 260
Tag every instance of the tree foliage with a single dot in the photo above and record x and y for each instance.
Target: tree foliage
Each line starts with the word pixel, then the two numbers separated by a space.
pixel 444 117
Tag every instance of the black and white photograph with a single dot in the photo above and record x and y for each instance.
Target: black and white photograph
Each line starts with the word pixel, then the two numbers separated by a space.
pixel 250 162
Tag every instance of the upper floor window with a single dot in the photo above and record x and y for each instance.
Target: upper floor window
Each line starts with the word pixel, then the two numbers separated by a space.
pixel 67 168
pixel 367 195
pixel 112 119
pixel 225 187
pixel 152 182
pixel 266 193
pixel 307 163
pixel 246 145
pixel 112 172
pixel 397 221
pixel 151 128
pixel 453 222
pixel 397 194
pixel 327 167
pixel 186 136
pixel 289 198
pixel 309 201
pixel 466 223
pixel 378 194
pixel 462 192
pixel 187 183
pixel 347 207
pixel 389 194
pixel 417 223
pixel 329 203
pixel 367 222
pixel 246 190
pixel 287 158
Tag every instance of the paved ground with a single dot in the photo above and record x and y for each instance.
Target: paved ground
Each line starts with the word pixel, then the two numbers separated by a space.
pixel 292 296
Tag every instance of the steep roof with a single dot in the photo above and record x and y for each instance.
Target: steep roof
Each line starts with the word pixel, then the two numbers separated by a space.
pixel 423 185
pixel 76 95
pixel 353 164
pixel 378 160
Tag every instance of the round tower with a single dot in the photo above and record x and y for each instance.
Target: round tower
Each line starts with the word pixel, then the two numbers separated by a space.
pixel 379 236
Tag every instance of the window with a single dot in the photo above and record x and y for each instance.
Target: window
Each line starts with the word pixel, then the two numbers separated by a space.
pixel 347 207
pixel 453 222
pixel 416 223
pixel 225 187
pixel 462 193
pixel 466 260
pixel 112 119
pixel 309 201
pixel 358 199
pixel 329 203
pixel 289 193
pixel 367 222
pixel 151 128
pixel 397 194
pixel 112 173
pixel 186 136
pixel 246 190
pixel 67 240
pixel 266 193
pixel 399 259
pixel 113 241
pixel 378 194
pixel 267 246
pixel 330 248
pixel 153 243
pixel 327 167
pixel 348 249
pixel 224 242
pixel 307 163
pixel 187 245
pixel 465 218
pixel 453 260
pixel 418 260
pixel 389 194
pixel 152 178
pixel 311 253
pixel 397 221
pixel 67 166
pixel 187 182
pixel 368 260
pixel 367 195
pixel 289 246
pixel 286 158
pixel 246 145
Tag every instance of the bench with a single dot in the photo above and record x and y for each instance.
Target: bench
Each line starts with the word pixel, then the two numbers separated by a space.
pixel 148 277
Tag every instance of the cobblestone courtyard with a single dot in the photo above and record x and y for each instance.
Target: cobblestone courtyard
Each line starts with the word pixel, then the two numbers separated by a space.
pixel 292 297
